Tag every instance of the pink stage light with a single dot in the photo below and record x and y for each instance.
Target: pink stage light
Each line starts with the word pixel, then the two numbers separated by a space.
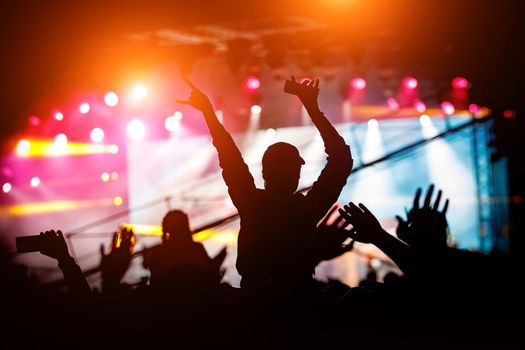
pixel 447 108
pixel 84 108
pixel 410 83
pixel 255 109
pixel 97 135
pixel 358 83
pixel 252 84
pixel 420 106
pixel 172 123
pixel 33 120
pixel 392 103
pixel 111 99
pixel 61 140
pixel 460 83
pixel 473 108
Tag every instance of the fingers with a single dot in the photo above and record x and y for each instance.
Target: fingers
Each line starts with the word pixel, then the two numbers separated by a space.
pixel 190 84
pixel 316 84
pixel 344 214
pixel 328 215
pixel 400 220
pixel 184 102
pixel 416 198
pixel 102 251
pixel 429 196
pixel 445 207
pixel 438 199
pixel 365 209
pixel 338 221
pixel 293 78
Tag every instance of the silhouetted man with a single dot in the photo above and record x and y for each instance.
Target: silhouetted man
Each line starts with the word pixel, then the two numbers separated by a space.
pixel 277 224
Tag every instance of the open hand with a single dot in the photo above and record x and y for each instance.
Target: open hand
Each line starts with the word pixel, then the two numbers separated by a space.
pixel 54 245
pixel 309 92
pixel 367 228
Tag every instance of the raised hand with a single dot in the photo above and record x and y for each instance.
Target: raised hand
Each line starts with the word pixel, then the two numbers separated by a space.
pixel 115 264
pixel 331 238
pixel 426 225
pixel 54 245
pixel 366 227
pixel 309 92
pixel 197 98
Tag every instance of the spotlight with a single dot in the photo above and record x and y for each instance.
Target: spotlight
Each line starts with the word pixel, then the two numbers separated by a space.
pixel 460 83
pixel 35 181
pixel 104 177
pixel 33 120
pixel 358 83
pixel 270 132
pixel 58 116
pixel 61 140
pixel 172 123
pixel 136 130
pixel 23 147
pixel 410 83
pixel 113 149
pixel 114 176
pixel 111 99
pixel 97 135
pixel 117 201
pixel 473 108
pixel 420 106
pixel 447 108
pixel 256 109
pixel 373 124
pixel 7 187
pixel 84 108
pixel 392 103
pixel 252 84
pixel 139 92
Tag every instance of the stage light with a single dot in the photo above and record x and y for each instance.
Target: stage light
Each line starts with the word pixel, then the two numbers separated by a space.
pixel 97 135
pixel 84 108
pixel 111 99
pixel 410 83
pixel 420 106
pixel 473 108
pixel 7 187
pixel 35 181
pixel 113 149
pixel 372 123
pixel 58 116
pixel 509 114
pixel 172 123
pixel 427 127
pixel 392 103
pixel 139 92
pixel 61 140
pixel 117 201
pixel 114 176
pixel 270 132
pixel 33 120
pixel 252 83
pixel 104 177
pixel 358 83
pixel 460 83
pixel 256 109
pixel 23 147
pixel 136 130
pixel 447 108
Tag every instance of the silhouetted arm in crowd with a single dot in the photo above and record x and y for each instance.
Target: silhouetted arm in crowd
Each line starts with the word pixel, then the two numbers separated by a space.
pixel 54 245
pixel 326 189
pixel 114 265
pixel 235 171
pixel 367 229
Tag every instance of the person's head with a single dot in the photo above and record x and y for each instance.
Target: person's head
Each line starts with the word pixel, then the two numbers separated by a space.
pixel 175 222
pixel 281 167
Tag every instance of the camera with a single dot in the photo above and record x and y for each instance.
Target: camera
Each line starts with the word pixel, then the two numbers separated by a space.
pixel 27 244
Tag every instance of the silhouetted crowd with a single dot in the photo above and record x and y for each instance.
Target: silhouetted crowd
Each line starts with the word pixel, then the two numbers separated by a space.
pixel 445 297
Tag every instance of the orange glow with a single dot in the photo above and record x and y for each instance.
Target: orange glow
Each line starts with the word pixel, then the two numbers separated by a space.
pixel 46 148
pixel 222 236
pixel 51 206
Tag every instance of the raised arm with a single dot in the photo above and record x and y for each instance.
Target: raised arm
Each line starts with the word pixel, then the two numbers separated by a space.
pixel 326 189
pixel 235 171
pixel 54 246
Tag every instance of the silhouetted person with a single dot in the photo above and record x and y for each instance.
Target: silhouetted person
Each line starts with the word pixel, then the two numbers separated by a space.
pixel 114 265
pixel 54 245
pixel 180 262
pixel 276 221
